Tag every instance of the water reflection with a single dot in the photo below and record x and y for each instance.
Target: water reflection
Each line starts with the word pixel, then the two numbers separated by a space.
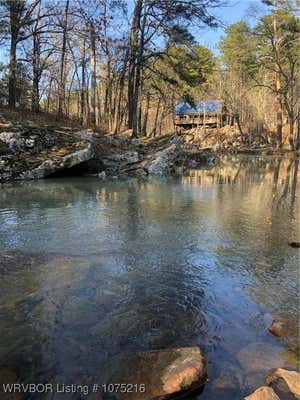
pixel 203 260
pixel 253 175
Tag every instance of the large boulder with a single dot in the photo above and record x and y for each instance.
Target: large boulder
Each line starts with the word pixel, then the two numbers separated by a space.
pixel 158 374
pixel 119 160
pixel 263 393
pixel 163 160
pixel 284 381
pixel 283 385
pixel 57 164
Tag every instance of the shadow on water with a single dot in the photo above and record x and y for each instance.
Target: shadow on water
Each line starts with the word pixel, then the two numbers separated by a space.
pixel 137 265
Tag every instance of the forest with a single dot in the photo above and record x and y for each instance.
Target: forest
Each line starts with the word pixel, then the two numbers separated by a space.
pixel 122 66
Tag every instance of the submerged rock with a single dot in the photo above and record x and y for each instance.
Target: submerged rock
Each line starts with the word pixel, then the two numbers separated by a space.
pixel 278 328
pixel 158 374
pixel 9 376
pixel 26 275
pixel 263 393
pixel 230 378
pixel 259 357
pixel 284 381
pixel 286 327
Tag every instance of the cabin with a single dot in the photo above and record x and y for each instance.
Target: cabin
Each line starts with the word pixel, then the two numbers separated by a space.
pixel 210 113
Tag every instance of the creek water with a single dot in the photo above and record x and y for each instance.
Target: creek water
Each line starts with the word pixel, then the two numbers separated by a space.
pixel 199 260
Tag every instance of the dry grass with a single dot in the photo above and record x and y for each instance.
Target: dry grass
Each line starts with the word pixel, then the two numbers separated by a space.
pixel 26 117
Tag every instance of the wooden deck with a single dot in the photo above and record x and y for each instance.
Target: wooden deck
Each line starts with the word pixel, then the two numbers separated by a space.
pixel 194 120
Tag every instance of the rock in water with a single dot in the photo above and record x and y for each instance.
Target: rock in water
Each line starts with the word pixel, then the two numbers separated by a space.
pixel 284 381
pixel 158 374
pixel 9 376
pixel 263 393
pixel 287 328
pixel 295 245
pixel 277 328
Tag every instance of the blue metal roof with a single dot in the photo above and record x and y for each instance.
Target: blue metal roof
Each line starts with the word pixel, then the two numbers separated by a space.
pixel 210 106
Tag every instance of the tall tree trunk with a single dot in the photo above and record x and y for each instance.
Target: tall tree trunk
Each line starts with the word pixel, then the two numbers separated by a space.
pixel 132 81
pixel 277 81
pixel 35 101
pixel 36 65
pixel 145 122
pixel 93 95
pixel 136 122
pixel 291 131
pixel 156 118
pixel 12 79
pixel 49 94
pixel 117 117
pixel 83 86
pixel 15 15
pixel 61 86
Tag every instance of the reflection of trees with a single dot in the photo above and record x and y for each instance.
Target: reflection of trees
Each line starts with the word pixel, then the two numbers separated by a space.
pixel 288 187
pixel 276 176
pixel 255 174
pixel 255 206
pixel 283 195
pixel 294 186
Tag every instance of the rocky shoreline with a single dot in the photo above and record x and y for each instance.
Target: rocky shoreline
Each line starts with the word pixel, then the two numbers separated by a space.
pixel 28 151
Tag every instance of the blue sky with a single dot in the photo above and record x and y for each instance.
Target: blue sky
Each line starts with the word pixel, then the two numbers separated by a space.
pixel 235 11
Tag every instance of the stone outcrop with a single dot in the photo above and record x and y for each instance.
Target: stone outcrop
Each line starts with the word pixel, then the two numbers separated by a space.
pixel 163 160
pixel 28 151
pixel 158 374
pixel 119 156
pixel 52 166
